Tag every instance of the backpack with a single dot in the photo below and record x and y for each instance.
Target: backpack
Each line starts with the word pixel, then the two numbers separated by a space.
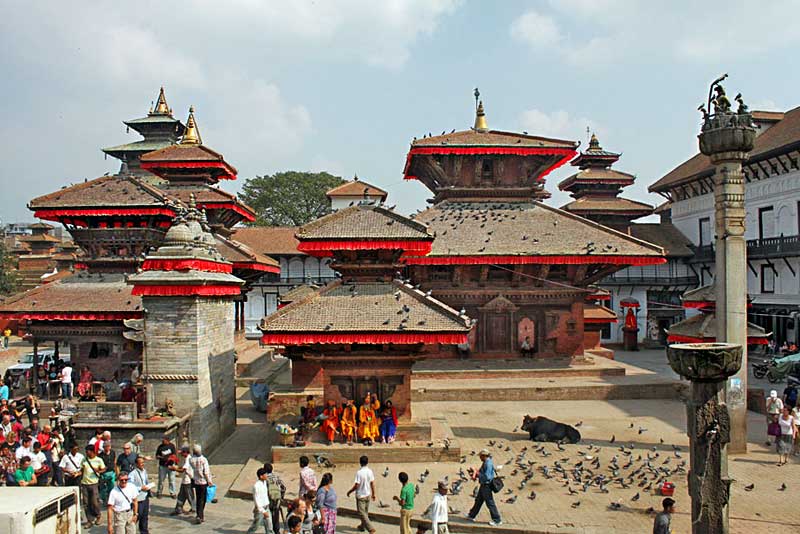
pixel 274 492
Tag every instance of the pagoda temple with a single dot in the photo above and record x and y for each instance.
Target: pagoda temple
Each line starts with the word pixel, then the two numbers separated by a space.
pixel 518 267
pixel 363 332
pixel 117 220
pixel 596 188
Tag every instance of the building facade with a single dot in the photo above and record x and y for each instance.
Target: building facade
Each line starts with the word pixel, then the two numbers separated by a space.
pixel 772 193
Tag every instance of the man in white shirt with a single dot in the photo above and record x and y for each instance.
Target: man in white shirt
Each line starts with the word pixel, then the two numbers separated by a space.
pixel 66 382
pixel 364 487
pixel 39 464
pixel 438 510
pixel 262 516
pixel 185 492
pixel 71 466
pixel 25 449
pixel 122 507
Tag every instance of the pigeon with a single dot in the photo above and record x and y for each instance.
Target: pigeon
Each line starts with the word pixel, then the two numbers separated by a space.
pixel 386 472
pixel 783 487
pixel 635 497
pixel 578 424
pixel 750 487
pixel 642 430
pixel 381 504
pixel 615 506
pixel 532 495
pixel 613 439
pixel 416 489
pixel 631 426
pixel 576 504
pixel 512 499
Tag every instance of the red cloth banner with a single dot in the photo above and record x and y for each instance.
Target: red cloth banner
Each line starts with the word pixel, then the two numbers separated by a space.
pixel 187 265
pixel 409 247
pixel 692 339
pixel 254 266
pixel 699 304
pixel 171 291
pixel 73 316
pixel 248 216
pixel 54 215
pixel 551 260
pixel 376 338
pixel 567 154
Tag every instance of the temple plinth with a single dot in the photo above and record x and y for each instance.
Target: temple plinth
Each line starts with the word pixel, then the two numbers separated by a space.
pixel 727 137
pixel 708 365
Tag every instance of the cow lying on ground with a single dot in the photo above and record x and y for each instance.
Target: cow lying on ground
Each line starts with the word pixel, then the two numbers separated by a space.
pixel 543 429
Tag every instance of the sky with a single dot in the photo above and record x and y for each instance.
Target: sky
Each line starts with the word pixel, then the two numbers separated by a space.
pixel 343 86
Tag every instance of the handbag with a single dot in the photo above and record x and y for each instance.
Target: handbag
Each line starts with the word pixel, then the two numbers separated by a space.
pixel 211 492
pixel 774 429
pixel 496 484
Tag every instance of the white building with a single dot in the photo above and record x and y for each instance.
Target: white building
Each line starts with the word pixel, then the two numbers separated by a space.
pixel 353 192
pixel 772 197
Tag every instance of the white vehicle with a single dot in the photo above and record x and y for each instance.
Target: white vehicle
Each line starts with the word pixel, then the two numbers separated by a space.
pixel 40 510
pixel 46 359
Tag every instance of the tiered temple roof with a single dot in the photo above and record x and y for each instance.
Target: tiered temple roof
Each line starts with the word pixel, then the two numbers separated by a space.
pixel 360 309
pixel 159 129
pixel 596 188
pixel 356 188
pixel 526 232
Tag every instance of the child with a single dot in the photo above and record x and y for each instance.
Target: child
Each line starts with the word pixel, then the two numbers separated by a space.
pixel 406 502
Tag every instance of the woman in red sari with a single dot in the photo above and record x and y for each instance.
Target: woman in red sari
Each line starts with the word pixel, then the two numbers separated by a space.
pixel 85 382
pixel 330 426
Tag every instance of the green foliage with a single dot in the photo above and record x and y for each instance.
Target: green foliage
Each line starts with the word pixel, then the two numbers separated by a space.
pixel 8 272
pixel 289 198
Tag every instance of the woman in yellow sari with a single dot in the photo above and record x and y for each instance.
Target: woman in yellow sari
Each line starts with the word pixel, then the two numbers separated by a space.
pixel 367 428
pixel 375 424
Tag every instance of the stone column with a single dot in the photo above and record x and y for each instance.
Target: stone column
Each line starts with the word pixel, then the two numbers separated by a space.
pixel 726 138
pixel 707 365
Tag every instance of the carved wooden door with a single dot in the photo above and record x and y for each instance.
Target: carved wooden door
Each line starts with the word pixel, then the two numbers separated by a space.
pixel 497 334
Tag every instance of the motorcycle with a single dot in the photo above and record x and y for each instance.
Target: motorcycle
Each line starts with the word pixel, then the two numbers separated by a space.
pixel 777 369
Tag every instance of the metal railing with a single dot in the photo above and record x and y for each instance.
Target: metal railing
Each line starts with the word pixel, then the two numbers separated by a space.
pixel 773 247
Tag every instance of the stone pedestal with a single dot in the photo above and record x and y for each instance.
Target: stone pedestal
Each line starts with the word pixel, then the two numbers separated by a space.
pixel 726 138
pixel 708 365
pixel 630 338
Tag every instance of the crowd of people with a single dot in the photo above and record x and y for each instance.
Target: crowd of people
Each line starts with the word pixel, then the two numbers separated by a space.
pixel 314 510
pixel 114 483
pixel 368 423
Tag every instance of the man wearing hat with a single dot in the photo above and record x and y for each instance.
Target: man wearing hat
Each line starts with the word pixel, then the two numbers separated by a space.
pixel 485 475
pixel 774 409
pixel 438 509
pixel 185 492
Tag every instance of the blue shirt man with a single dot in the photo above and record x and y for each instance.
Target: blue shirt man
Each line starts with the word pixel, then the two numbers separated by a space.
pixel 485 475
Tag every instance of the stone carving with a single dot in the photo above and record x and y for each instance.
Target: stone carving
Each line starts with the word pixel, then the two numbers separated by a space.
pixel 707 365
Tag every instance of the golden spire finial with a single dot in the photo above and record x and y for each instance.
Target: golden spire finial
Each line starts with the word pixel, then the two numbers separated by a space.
pixel 192 134
pixel 161 105
pixel 480 119
pixel 594 143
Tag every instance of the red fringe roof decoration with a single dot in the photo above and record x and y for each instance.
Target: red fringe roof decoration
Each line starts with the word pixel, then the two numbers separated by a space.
pixel 517 260
pixel 692 339
pixel 171 291
pixel 254 266
pixel 73 316
pixel 567 154
pixel 155 166
pixel 363 337
pixel 249 217
pixel 55 214
pixel 187 264
pixel 324 247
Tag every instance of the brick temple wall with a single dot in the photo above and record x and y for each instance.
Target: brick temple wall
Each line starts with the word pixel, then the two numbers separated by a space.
pixel 193 336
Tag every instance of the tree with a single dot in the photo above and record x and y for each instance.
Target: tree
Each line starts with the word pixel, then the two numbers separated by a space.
pixel 289 198
pixel 8 272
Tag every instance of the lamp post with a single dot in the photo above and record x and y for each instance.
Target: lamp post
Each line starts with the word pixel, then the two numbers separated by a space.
pixel 708 366
pixel 726 137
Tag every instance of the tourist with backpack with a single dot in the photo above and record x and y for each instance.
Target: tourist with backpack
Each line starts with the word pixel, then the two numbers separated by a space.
pixel 276 490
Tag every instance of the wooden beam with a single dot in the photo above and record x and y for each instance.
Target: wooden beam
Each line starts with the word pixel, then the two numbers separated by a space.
pixel 752 269
pixel 599 275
